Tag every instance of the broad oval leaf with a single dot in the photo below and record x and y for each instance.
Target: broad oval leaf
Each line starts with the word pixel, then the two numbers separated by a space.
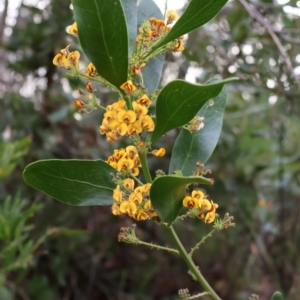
pixel 153 70
pixel 72 181
pixel 191 147
pixel 197 13
pixel 130 10
pixel 167 193
pixel 102 33
pixel 179 101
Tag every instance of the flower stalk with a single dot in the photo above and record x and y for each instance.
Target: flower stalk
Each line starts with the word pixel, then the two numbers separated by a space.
pixel 193 268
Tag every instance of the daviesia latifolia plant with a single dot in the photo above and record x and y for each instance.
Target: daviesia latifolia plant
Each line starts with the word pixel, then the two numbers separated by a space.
pixel 126 44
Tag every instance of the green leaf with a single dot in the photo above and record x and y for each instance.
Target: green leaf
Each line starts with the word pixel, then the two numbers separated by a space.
pixel 179 101
pixel 153 70
pixel 199 145
pixel 167 193
pixel 277 296
pixel 102 33
pixel 197 13
pixel 74 182
pixel 130 10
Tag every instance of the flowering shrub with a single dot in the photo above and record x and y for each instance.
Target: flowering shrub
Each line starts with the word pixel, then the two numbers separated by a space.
pixel 126 44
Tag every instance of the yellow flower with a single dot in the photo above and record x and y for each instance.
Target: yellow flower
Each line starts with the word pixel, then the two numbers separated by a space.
pixel 190 202
pixel 91 70
pixel 115 209
pixel 125 164
pixel 143 189
pixel 210 216
pixel 206 205
pixel 135 171
pixel 128 207
pixel 135 128
pixel 137 162
pixel 103 129
pixel 119 105
pixel 122 129
pixel 137 198
pixel 144 100
pixel 73 59
pixel 128 87
pixel 139 109
pixel 117 194
pixel 126 116
pixel 111 137
pixel 120 153
pixel 59 60
pixel 132 151
pixel 159 153
pixel 171 16
pixel 178 46
pixel 141 215
pixel 65 51
pixel 198 194
pixel 129 184
pixel 73 29
pixel 147 187
pixel 147 123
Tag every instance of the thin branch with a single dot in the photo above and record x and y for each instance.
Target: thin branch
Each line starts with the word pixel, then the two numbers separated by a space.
pixel 260 19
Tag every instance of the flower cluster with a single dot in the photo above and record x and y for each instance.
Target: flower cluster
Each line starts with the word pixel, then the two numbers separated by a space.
pixel 125 160
pixel 119 121
pixel 207 208
pixel 66 59
pixel 154 29
pixel 132 201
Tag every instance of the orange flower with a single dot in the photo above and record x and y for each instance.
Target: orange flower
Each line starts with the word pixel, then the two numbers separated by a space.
pixel 190 202
pixel 79 103
pixel 159 153
pixel 128 87
pixel 91 70
pixel 144 100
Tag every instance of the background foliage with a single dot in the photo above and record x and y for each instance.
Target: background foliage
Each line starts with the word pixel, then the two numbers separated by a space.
pixel 255 165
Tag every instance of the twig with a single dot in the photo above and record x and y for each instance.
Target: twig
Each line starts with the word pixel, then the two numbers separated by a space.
pixel 260 19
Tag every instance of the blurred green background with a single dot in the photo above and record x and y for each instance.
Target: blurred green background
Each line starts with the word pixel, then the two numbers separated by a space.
pixel 51 251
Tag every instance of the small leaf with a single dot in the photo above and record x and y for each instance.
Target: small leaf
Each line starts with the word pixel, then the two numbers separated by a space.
pixel 197 13
pixel 167 193
pixel 179 101
pixel 102 33
pixel 277 296
pixel 130 10
pixel 199 145
pixel 74 182
pixel 153 70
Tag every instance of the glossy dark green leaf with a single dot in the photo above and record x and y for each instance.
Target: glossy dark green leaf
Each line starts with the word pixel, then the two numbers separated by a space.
pixel 75 182
pixel 199 145
pixel 130 10
pixel 102 33
pixel 167 193
pixel 277 296
pixel 179 101
pixel 197 13
pixel 153 70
